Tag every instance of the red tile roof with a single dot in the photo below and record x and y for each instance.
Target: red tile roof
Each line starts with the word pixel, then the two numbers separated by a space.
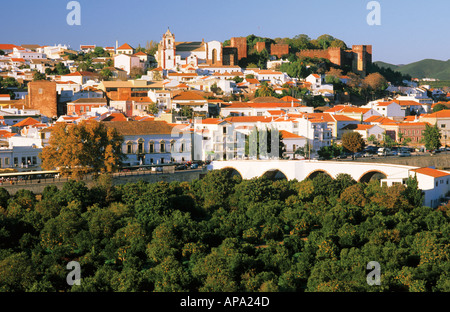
pixel 125 46
pixel 7 46
pixel 290 99
pixel 248 119
pixel 289 135
pixel 26 122
pixel 211 121
pixel 188 96
pixel 432 172
pixel 115 117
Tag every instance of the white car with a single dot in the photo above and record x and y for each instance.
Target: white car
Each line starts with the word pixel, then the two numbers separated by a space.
pixel 157 169
pixel 384 152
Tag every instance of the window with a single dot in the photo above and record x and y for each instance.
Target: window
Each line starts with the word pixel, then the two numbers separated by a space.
pixel 151 148
pixel 129 148
pixel 162 147
pixel 7 163
pixel 172 146
pixel 162 160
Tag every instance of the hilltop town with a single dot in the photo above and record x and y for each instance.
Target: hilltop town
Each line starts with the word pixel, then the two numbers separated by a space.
pixel 312 91
pixel 248 165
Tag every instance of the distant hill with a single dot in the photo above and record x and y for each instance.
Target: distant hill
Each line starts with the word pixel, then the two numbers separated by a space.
pixel 386 65
pixel 427 68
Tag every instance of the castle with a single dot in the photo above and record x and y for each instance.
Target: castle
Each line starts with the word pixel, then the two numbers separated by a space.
pixel 358 58
pixel 172 55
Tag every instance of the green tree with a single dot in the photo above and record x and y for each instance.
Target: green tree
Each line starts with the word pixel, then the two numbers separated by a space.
pixel 331 151
pixel 105 74
pixel 388 141
pixel 264 90
pixel 187 111
pixel 432 137
pixel 153 109
pixel 38 76
pixel 413 193
pixel 438 107
pixel 325 41
pixel 16 273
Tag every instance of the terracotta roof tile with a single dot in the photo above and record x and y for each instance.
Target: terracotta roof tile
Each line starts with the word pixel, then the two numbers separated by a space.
pixel 140 127
pixel 432 172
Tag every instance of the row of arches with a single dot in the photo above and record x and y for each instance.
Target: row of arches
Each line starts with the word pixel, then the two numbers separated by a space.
pixel 275 174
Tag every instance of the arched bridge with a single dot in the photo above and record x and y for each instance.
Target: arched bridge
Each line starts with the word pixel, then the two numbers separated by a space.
pixel 302 169
pixel 434 183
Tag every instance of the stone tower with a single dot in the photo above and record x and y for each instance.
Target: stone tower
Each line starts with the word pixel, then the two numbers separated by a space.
pixel 166 51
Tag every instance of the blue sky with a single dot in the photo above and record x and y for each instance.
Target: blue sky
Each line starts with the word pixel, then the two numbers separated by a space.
pixel 409 31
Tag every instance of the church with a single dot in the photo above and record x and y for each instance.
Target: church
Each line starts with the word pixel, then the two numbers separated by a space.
pixel 172 55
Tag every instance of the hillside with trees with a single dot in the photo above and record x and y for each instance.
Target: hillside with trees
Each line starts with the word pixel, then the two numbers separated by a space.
pixel 222 233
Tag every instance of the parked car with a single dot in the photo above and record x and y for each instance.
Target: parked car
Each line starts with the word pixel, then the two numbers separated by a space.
pixel 404 153
pixel 157 169
pixel 181 167
pixel 194 166
pixel 382 151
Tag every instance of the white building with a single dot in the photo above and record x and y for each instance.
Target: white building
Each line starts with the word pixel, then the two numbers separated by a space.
pixel 67 89
pixel 52 52
pixel 152 142
pixel 127 62
pixel 173 55
pixel 318 85
pixel 389 109
pixel 434 183
pixel 27 55
pixel 292 143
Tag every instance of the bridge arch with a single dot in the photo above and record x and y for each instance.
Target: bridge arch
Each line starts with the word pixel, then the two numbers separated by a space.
pixel 373 174
pixel 233 172
pixel 274 174
pixel 315 173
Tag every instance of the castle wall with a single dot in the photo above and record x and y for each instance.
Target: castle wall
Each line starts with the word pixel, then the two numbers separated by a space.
pixel 241 44
pixel 279 49
pixel 42 96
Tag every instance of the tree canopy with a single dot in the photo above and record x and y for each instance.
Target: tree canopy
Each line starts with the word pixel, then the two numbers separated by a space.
pixel 222 233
